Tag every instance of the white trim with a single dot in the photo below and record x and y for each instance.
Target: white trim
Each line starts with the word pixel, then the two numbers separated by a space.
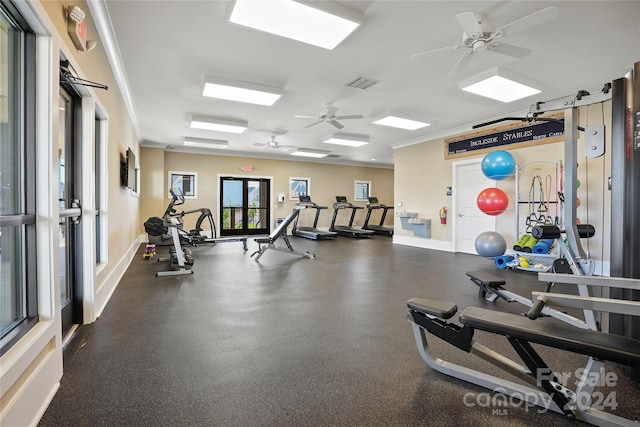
pixel 107 287
pixel 454 198
pixel 272 197
pixel 87 200
pixel 102 21
pixel 420 242
pixel 298 178
pixel 195 183
pixel 355 190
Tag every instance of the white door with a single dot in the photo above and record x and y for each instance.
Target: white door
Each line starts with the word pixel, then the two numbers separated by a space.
pixel 467 220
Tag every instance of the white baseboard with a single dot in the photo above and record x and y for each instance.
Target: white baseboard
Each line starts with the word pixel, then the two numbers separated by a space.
pixel 105 289
pixel 420 242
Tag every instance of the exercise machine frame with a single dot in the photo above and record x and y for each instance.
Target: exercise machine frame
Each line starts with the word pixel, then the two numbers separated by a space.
pixel 311 232
pixel 347 230
pixel 374 204
pixel 546 391
pixel 266 243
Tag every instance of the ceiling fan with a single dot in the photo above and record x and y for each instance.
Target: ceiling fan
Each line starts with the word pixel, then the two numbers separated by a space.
pixel 480 35
pixel 272 144
pixel 329 116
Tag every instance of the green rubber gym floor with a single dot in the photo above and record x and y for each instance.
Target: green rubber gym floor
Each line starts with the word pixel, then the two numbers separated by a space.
pixel 293 341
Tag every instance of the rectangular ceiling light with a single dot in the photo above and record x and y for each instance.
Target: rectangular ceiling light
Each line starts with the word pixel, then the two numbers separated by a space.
pixel 501 85
pixel 205 143
pixel 304 152
pixel 221 125
pixel 320 23
pixel 234 90
pixel 398 120
pixel 348 139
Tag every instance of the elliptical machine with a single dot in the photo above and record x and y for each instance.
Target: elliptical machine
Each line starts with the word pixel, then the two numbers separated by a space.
pixel 180 259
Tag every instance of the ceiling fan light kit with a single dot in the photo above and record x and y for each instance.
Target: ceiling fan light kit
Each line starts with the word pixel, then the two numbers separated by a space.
pixel 218 124
pixel 239 91
pixel 320 23
pixel 501 85
pixel 205 143
pixel 348 139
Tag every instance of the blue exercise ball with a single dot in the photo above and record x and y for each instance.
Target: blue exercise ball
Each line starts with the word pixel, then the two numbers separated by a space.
pixel 498 165
pixel 490 244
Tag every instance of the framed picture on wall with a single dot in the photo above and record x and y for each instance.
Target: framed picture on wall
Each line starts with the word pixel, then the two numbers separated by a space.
pixel 299 187
pixel 185 183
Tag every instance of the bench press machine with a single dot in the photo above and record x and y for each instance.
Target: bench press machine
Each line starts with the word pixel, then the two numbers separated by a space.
pixel 266 243
pixel 544 389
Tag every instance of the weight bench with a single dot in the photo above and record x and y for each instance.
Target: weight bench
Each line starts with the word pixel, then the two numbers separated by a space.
pixel 545 389
pixel 266 243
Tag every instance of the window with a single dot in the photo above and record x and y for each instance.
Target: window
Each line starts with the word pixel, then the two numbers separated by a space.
pixel 18 298
pixel 361 190
pixel 185 183
pixel 299 187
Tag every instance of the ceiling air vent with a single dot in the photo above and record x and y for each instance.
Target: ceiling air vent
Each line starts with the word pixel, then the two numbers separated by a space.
pixel 333 156
pixel 279 131
pixel 362 83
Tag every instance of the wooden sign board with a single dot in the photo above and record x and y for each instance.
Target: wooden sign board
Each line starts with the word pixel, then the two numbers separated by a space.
pixel 515 135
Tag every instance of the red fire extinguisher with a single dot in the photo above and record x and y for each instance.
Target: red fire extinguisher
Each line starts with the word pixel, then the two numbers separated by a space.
pixel 443 216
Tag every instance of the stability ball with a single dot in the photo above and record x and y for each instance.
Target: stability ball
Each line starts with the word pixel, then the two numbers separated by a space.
pixel 490 244
pixel 498 165
pixel 492 201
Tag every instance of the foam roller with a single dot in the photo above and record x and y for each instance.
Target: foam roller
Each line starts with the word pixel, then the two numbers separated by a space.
pixel 585 231
pixel 521 242
pixel 502 260
pixel 543 246
pixel 545 232
pixel 528 247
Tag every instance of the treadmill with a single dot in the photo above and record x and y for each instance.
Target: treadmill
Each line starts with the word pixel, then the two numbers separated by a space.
pixel 347 230
pixel 311 232
pixel 380 228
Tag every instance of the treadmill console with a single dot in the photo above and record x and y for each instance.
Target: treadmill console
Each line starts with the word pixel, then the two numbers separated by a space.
pixel 373 200
pixel 304 199
pixel 342 199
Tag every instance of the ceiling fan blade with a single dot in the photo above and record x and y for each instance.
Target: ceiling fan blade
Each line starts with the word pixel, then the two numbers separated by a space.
pixel 462 62
pixel 529 21
pixel 440 49
pixel 509 50
pixel 470 22
pixel 286 147
pixel 258 144
pixel 305 117
pixel 352 116
pixel 313 124
pixel 337 125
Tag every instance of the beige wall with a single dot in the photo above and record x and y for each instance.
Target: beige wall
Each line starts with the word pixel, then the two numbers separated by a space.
pixel 422 175
pixel 327 181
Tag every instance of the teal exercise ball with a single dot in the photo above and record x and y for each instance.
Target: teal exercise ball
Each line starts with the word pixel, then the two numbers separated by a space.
pixel 490 244
pixel 498 165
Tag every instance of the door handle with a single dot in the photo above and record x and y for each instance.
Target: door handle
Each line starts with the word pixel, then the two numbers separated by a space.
pixel 74 212
pixel 460 215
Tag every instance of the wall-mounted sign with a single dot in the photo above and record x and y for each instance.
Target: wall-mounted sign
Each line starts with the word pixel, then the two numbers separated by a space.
pixel 515 134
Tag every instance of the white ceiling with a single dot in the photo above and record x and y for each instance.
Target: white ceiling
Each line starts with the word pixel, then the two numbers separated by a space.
pixel 167 47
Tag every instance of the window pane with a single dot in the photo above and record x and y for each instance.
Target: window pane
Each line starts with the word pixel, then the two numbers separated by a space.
pixel 11 202
pixel 12 277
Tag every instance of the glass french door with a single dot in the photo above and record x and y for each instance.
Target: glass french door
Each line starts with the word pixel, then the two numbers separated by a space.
pixel 244 206
pixel 69 218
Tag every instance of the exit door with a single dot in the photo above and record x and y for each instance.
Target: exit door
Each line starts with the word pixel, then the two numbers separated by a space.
pixel 244 206
pixel 69 222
